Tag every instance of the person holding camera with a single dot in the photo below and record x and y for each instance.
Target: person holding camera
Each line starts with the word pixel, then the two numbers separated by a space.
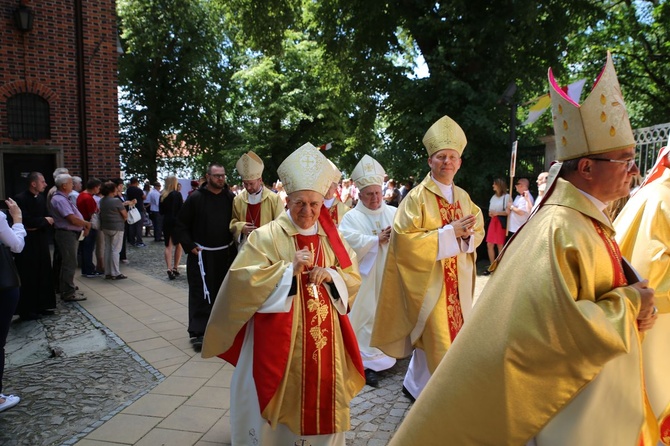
pixel 12 238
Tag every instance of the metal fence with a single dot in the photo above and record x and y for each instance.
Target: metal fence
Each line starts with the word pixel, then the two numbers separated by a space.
pixel 649 141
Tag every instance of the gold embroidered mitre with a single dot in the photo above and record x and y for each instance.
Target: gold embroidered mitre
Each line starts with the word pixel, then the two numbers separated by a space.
pixel 250 166
pixel 307 169
pixel 368 172
pixel 599 125
pixel 445 133
pixel 337 175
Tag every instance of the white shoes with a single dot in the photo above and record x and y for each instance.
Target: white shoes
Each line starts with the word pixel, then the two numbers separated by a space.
pixel 10 401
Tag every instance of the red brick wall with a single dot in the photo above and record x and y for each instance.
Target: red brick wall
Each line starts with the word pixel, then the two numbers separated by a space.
pixel 43 61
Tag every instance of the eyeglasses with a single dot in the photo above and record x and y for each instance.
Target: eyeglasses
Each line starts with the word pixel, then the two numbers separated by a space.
pixel 629 163
pixel 218 175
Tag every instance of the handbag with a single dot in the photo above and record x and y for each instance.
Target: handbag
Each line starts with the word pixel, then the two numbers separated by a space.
pixel 95 221
pixel 133 215
pixel 9 275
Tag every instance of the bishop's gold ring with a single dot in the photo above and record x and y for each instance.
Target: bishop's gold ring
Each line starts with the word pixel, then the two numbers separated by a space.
pixel 654 311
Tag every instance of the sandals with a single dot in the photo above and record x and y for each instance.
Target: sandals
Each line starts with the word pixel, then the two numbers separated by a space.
pixel 119 277
pixel 170 274
pixel 175 272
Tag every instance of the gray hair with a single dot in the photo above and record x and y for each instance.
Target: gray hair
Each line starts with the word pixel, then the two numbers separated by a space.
pixel 62 179
pixel 59 171
pixel 76 180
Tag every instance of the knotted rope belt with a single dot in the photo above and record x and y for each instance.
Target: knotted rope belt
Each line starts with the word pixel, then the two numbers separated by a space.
pixel 201 264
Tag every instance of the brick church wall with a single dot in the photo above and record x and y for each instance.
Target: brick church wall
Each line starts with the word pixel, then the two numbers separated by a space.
pixel 44 61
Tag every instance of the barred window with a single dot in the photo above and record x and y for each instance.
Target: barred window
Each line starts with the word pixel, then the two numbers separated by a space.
pixel 28 117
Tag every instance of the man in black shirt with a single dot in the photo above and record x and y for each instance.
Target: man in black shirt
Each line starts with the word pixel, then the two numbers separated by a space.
pixel 203 229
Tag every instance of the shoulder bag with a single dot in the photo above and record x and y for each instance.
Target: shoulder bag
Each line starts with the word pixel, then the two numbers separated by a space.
pixel 133 215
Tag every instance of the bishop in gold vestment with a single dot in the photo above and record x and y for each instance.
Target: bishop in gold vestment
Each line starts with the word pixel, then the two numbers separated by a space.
pixel 643 233
pixel 256 205
pixel 429 276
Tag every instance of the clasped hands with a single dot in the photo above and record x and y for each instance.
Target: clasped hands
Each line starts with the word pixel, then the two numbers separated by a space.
pixel 248 228
pixel 303 259
pixel 646 318
pixel 464 227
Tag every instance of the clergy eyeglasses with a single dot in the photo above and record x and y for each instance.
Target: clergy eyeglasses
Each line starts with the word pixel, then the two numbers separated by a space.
pixel 629 163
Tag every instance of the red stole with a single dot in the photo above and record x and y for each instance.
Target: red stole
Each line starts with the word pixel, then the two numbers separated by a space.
pixel 615 255
pixel 254 214
pixel 449 213
pixel 334 238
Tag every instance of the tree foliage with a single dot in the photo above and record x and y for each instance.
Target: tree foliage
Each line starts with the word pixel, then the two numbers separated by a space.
pixel 221 77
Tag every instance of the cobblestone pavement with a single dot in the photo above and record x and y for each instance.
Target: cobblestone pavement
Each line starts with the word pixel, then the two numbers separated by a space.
pixel 67 391
pixel 68 388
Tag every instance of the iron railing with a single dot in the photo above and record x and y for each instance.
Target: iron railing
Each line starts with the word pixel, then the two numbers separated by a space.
pixel 649 140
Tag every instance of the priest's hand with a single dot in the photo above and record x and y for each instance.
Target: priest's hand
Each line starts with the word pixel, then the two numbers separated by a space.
pixel 385 235
pixel 319 275
pixel 301 260
pixel 648 312
pixel 464 227
pixel 248 228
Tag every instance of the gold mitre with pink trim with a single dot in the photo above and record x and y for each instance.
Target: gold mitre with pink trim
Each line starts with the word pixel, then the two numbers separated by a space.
pixel 250 166
pixel 445 133
pixel 599 125
pixel 307 169
pixel 368 172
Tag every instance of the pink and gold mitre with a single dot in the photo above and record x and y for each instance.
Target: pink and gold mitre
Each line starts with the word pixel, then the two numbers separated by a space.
pixel 599 125
pixel 444 134
pixel 250 166
pixel 307 169
pixel 368 172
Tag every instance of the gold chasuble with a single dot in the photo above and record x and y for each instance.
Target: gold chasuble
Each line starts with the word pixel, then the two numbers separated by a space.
pixel 306 362
pixel 550 355
pixel 643 232
pixel 269 208
pixel 423 301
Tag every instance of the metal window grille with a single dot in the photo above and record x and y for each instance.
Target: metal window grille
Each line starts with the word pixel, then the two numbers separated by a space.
pixel 649 141
pixel 28 117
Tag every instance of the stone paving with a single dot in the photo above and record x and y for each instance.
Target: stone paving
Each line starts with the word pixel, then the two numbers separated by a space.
pixel 73 374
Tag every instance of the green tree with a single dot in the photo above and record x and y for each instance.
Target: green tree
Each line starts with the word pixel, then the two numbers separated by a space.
pixel 173 83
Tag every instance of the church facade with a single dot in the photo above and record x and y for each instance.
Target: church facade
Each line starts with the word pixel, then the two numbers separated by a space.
pixel 58 90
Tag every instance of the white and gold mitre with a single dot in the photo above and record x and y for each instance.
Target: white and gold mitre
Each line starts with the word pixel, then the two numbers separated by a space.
pixel 368 172
pixel 599 125
pixel 445 133
pixel 250 166
pixel 337 175
pixel 306 169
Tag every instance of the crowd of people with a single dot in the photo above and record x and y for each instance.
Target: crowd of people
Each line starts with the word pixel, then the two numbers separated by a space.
pixel 313 287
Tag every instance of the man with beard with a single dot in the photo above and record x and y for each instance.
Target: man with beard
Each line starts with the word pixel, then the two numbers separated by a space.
pixel 203 230
pixel 34 262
